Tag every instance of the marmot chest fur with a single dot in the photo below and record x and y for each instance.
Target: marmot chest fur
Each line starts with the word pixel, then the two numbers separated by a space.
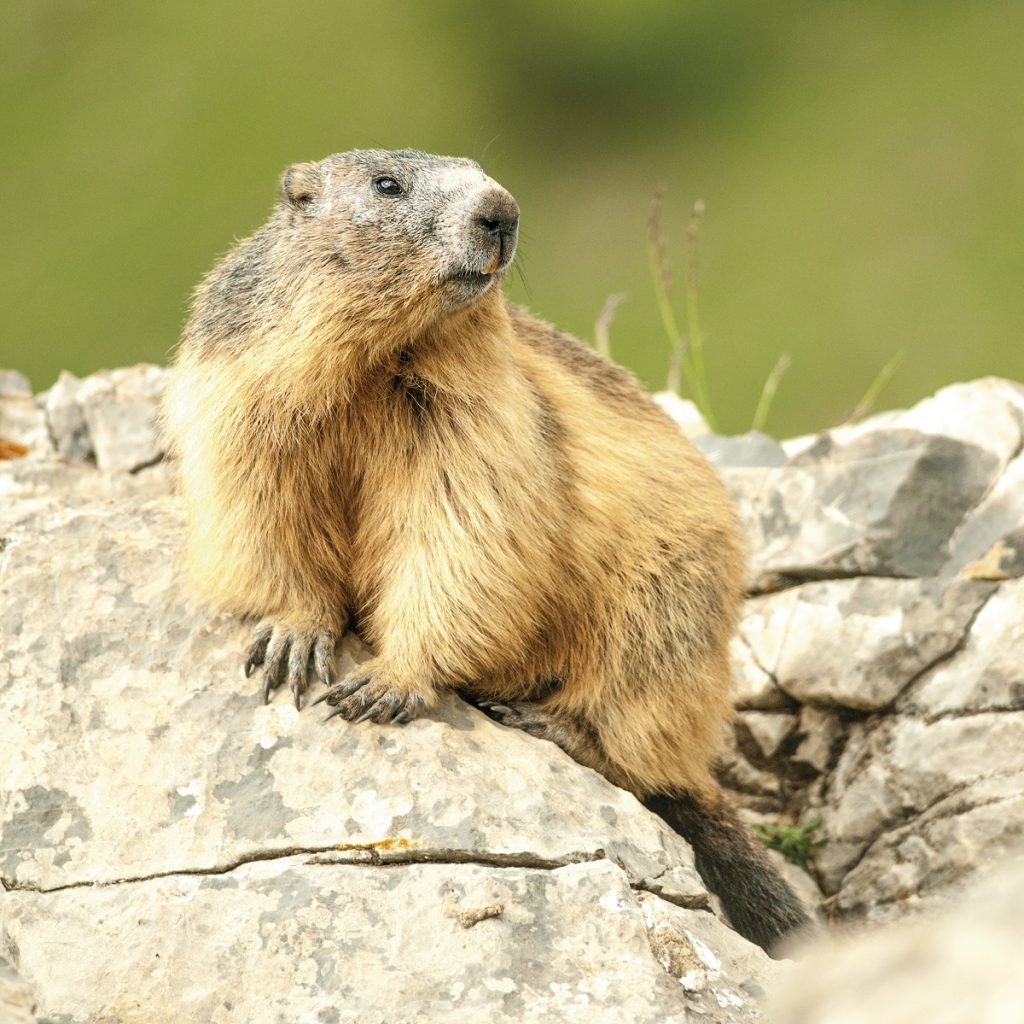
pixel 366 429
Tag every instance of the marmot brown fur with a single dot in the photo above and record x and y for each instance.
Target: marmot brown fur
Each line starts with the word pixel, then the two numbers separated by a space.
pixel 367 430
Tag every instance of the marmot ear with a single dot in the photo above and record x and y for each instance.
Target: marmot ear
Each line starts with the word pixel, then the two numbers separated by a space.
pixel 300 184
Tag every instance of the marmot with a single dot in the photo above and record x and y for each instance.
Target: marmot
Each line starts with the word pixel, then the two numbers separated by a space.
pixel 369 433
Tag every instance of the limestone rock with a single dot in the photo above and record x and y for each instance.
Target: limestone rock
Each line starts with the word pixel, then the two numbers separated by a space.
pixel 767 731
pixel 17 1003
pixel 720 972
pixel 961 967
pixel 901 493
pixel 759 788
pixel 988 672
pixel 885 504
pixel 889 782
pixel 858 642
pixel 988 413
pixel 67 421
pixel 295 938
pixel 191 795
pixel 1003 560
pixel 684 412
pixel 254 863
pixel 923 864
pixel 120 408
pixel 28 486
pixel 744 450
pixel 753 687
pixel 110 416
pixel 931 795
pixel 14 384
pixel 22 419
pixel 820 733
pixel 988 544
pixel 909 692
pixel 251 863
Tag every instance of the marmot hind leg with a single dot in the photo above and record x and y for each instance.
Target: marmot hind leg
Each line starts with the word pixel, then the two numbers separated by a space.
pixel 729 857
pixel 574 736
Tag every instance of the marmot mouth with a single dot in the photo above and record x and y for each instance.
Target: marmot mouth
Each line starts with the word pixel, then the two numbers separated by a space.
pixel 473 278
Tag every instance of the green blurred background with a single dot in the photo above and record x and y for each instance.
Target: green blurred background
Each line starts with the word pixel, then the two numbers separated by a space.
pixel 861 165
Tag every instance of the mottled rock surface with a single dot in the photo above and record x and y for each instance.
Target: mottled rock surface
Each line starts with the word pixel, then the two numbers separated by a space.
pixel 298 938
pixel 958 967
pixel 17 1002
pixel 172 850
pixel 685 413
pixel 857 643
pixel 880 660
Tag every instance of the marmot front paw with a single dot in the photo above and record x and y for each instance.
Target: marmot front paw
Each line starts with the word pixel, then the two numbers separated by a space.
pixel 287 656
pixel 366 694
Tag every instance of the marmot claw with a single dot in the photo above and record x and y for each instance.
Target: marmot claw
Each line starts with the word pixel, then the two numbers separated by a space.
pixel 359 698
pixel 286 656
pixel 530 718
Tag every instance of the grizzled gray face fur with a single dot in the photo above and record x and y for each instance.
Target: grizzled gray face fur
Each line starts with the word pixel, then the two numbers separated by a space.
pixel 404 226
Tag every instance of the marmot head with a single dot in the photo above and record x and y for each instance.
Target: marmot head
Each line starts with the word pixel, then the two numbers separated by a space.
pixel 398 236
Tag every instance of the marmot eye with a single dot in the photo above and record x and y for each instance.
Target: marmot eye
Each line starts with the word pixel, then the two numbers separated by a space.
pixel 388 186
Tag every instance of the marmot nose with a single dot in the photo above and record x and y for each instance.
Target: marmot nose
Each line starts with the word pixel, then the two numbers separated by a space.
pixel 497 214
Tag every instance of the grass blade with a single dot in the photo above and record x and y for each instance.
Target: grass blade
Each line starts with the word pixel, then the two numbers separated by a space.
pixel 771 385
pixel 602 329
pixel 875 388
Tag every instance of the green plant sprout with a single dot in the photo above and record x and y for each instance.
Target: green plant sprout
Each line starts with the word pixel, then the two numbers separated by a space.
pixel 686 350
pixel 602 329
pixel 876 387
pixel 686 359
pixel 796 843
pixel 771 385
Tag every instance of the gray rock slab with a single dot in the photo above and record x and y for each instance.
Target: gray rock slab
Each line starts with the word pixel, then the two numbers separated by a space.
pixel 121 413
pixel 13 383
pixel 890 774
pixel 884 504
pixel 988 413
pixel 961 966
pixel 889 420
pixel 120 759
pixel 930 860
pixel 988 542
pixel 66 418
pixel 858 643
pixel 741 450
pixel 987 674
pixel 291 940
pixel 753 687
pixel 17 1002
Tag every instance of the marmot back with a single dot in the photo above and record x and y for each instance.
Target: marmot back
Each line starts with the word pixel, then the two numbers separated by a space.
pixel 369 434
